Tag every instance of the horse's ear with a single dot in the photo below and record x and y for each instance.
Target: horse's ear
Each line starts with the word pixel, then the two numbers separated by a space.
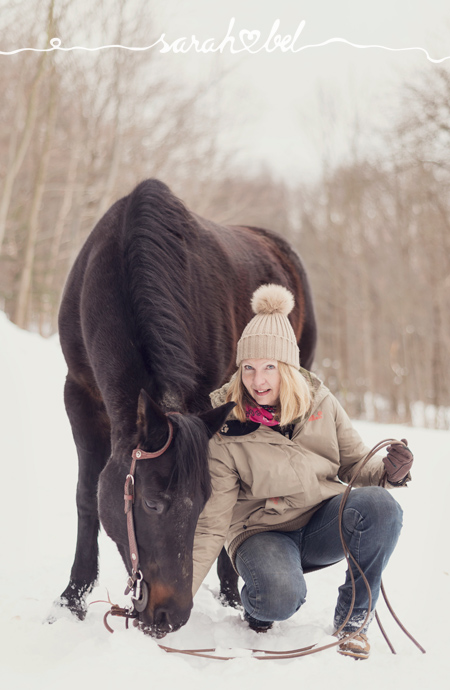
pixel 151 422
pixel 215 419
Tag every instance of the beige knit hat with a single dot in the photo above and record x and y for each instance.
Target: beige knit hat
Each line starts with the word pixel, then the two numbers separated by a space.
pixel 270 334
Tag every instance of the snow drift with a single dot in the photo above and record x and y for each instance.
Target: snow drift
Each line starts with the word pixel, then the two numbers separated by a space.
pixel 38 530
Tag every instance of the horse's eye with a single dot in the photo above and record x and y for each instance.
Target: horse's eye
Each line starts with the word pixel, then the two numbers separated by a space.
pixel 156 505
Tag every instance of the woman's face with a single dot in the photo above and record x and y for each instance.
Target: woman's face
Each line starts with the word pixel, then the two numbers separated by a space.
pixel 261 378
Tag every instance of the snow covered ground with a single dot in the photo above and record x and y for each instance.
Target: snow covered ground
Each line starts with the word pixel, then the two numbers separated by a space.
pixel 37 538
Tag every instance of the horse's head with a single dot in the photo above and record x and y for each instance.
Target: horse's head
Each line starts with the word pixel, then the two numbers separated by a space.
pixel 170 491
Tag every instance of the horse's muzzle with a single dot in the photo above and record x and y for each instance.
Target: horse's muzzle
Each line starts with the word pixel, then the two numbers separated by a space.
pixel 165 611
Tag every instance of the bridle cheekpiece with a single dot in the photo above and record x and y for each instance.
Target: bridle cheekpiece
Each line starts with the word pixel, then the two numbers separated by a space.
pixel 136 583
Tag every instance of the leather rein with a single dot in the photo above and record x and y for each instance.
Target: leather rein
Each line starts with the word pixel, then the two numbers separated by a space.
pixel 139 590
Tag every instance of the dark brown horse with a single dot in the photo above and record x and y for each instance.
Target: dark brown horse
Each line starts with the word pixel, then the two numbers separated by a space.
pixel 149 321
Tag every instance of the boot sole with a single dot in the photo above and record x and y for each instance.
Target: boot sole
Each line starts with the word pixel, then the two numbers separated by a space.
pixel 359 654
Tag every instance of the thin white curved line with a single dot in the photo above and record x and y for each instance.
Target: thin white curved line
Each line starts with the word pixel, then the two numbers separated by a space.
pixel 56 45
pixel 372 45
pixel 59 47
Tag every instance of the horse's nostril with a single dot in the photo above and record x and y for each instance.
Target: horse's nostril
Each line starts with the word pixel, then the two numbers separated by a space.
pixel 162 620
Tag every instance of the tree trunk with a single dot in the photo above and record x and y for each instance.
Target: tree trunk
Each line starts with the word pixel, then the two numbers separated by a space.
pixel 21 311
pixel 48 305
pixel 27 133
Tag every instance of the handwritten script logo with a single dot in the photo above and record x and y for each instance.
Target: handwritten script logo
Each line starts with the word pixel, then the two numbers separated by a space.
pixel 245 40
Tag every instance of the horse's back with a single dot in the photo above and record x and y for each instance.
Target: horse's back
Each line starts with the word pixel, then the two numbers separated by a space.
pixel 253 256
pixel 152 267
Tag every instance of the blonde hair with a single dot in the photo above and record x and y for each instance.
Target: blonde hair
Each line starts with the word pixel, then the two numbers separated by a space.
pixel 295 395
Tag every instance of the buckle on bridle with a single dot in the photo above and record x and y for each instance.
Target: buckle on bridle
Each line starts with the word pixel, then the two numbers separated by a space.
pixel 138 588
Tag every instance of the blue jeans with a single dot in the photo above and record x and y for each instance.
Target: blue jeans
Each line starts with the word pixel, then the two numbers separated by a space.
pixel 272 563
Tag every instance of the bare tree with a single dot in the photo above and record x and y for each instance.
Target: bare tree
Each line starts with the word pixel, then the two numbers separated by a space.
pixel 117 118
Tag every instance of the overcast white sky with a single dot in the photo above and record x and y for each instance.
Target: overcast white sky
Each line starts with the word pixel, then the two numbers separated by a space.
pixel 271 101
pixel 286 110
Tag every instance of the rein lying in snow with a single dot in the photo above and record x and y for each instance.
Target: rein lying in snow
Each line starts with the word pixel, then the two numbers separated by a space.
pixel 264 654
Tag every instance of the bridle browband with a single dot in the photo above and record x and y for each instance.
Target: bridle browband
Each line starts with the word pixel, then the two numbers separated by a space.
pixel 136 583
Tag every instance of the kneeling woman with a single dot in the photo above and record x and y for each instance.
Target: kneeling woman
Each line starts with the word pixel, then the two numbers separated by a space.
pixel 279 468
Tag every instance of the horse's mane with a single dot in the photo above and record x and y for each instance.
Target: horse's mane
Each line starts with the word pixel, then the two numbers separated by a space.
pixel 190 448
pixel 158 233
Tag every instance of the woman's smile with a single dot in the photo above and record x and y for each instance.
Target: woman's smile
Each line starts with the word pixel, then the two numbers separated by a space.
pixel 263 392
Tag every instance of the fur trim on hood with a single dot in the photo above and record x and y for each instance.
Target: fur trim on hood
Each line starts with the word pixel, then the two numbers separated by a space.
pixel 218 397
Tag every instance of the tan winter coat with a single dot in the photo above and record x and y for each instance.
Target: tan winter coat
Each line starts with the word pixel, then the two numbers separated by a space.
pixel 264 481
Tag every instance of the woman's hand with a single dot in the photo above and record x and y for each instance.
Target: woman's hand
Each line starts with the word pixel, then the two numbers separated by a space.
pixel 398 462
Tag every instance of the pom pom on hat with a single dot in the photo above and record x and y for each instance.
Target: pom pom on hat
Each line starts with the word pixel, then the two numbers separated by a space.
pixel 269 334
pixel 272 299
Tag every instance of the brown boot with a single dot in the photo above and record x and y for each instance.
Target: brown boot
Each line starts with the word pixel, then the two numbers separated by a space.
pixel 358 647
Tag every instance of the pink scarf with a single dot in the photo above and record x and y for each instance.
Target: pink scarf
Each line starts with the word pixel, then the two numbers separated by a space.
pixel 260 415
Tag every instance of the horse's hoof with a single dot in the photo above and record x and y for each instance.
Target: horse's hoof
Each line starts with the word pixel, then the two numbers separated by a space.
pixel 73 600
pixel 61 609
pixel 230 599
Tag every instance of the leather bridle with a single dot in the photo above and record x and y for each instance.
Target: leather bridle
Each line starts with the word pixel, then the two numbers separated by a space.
pixel 136 584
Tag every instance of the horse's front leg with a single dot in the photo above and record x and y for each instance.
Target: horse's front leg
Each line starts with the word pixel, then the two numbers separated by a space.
pixel 229 594
pixel 90 429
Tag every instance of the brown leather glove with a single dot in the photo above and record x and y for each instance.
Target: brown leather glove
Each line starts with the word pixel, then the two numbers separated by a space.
pixel 398 462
